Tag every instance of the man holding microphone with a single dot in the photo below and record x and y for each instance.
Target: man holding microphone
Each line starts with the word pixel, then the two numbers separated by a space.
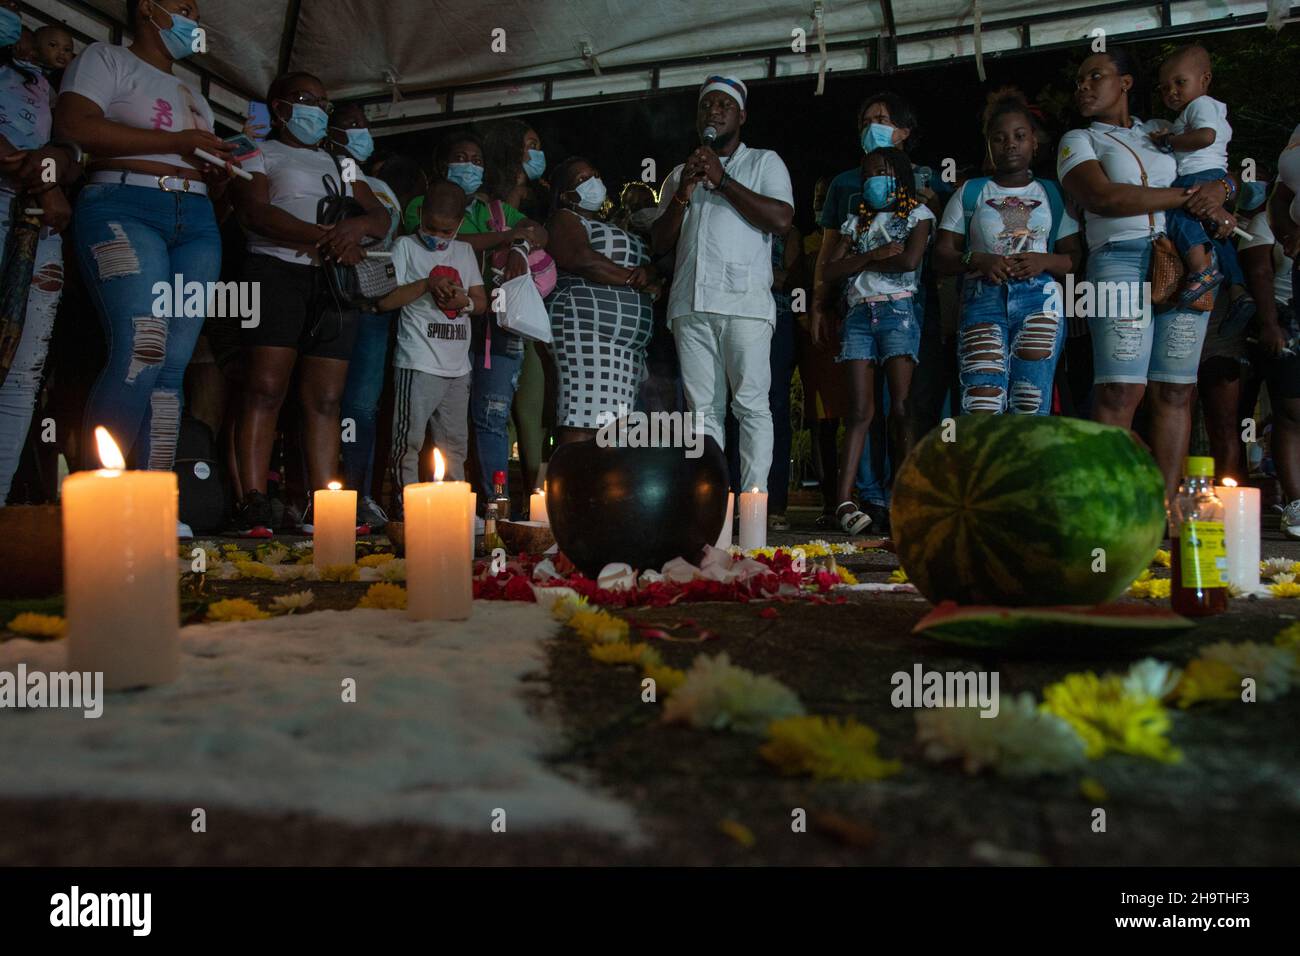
pixel 720 209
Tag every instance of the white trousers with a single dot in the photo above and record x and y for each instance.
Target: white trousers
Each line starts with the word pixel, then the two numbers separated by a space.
pixel 720 350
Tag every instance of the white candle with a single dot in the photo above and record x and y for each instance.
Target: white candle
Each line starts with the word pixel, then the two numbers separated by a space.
pixel 724 539
pixel 438 569
pixel 537 507
pixel 753 519
pixel 119 567
pixel 1241 533
pixel 334 520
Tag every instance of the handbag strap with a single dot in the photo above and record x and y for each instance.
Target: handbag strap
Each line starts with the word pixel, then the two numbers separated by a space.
pixel 496 215
pixel 1151 218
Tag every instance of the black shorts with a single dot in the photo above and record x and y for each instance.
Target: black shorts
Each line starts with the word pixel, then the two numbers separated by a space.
pixel 297 311
pixel 1283 373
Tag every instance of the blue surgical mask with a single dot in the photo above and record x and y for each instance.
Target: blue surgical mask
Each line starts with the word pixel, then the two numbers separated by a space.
pixel 591 194
pixel 11 27
pixel 308 124
pixel 468 176
pixel 536 164
pixel 877 136
pixel 179 37
pixel 433 243
pixel 878 191
pixel 1252 196
pixel 360 144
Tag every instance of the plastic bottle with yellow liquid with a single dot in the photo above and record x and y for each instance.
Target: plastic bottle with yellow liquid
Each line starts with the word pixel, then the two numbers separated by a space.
pixel 1199 559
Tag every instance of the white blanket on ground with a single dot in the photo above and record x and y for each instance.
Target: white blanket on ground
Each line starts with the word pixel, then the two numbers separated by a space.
pixel 440 733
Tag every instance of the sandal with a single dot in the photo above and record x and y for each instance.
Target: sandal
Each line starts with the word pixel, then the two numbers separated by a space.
pixel 1198 288
pixel 852 519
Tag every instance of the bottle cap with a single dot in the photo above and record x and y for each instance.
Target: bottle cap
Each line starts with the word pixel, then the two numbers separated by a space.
pixel 498 477
pixel 1198 467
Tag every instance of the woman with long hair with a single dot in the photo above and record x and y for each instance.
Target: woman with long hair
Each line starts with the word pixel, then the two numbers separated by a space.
pixel 301 328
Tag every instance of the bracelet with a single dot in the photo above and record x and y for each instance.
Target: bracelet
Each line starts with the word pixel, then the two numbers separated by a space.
pixel 1229 191
pixel 967 256
pixel 677 198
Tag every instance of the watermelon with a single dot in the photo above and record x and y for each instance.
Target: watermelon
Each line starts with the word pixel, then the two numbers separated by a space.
pixel 1065 627
pixel 1013 510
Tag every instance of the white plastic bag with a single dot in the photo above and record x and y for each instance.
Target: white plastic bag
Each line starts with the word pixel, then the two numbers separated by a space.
pixel 524 312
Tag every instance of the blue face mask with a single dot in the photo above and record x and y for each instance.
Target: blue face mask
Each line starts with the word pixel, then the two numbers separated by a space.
pixel 308 124
pixel 877 136
pixel 360 144
pixel 536 164
pixel 434 243
pixel 878 192
pixel 11 27
pixel 468 176
pixel 1252 196
pixel 179 37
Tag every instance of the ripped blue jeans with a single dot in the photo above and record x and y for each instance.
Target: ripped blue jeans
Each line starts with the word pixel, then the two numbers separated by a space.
pixel 128 239
pixel 1008 344
pixel 491 394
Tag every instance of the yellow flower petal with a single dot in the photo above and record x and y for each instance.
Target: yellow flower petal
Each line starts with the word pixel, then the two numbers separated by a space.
pixel 235 609
pixel 375 560
pixel 738 832
pixel 826 749
pixel 340 573
pixel 384 597
pixel 38 625
pixel 1108 717
pixel 1206 680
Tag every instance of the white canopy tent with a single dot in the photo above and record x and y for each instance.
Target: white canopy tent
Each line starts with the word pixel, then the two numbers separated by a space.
pixel 423 63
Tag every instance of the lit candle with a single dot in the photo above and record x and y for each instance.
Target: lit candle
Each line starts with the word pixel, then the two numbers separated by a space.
pixel 724 539
pixel 537 507
pixel 119 569
pixel 438 569
pixel 1241 533
pixel 334 516
pixel 753 519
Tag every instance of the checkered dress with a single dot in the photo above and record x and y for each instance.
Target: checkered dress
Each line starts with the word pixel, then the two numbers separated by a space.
pixel 601 332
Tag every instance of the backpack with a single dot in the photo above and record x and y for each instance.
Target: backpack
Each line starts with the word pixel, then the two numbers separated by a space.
pixel 970 196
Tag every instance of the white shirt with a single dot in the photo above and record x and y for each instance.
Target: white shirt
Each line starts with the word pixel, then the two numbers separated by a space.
pixel 1099 142
pixel 136 94
pixel 1288 171
pixel 427 339
pixel 884 228
pixel 294 184
pixel 1263 236
pixel 1204 112
pixel 724 264
pixel 1007 220
pixel 388 199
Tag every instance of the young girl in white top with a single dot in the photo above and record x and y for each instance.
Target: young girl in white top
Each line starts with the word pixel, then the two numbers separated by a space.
pixel 887 230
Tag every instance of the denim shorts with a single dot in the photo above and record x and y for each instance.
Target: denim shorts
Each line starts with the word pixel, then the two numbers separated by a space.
pixel 879 331
pixel 1129 343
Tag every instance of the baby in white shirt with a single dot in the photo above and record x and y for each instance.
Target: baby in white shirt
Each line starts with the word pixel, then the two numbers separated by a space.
pixel 1199 141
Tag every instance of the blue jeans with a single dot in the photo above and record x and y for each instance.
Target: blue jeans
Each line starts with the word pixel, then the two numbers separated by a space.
pixel 1009 341
pixel 360 400
pixel 879 331
pixel 492 391
pixel 128 238
pixel 1129 343
pixel 1187 231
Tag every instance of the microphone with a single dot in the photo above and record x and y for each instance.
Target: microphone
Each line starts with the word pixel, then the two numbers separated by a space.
pixel 709 135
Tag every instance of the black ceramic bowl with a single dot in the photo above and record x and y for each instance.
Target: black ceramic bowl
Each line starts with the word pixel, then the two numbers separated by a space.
pixel 640 506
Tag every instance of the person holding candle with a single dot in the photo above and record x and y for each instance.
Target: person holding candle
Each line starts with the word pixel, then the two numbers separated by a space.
pixel 439 288
pixel 145 217
pixel 302 331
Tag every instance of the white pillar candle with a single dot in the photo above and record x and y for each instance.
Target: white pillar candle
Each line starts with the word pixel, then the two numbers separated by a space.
pixel 334 520
pixel 119 567
pixel 1241 533
pixel 753 519
pixel 724 539
pixel 438 568
pixel 537 507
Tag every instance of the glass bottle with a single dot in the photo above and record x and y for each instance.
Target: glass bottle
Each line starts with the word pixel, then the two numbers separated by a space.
pixel 1198 558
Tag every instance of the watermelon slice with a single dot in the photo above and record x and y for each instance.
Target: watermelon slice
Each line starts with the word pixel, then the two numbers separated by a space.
pixel 1066 627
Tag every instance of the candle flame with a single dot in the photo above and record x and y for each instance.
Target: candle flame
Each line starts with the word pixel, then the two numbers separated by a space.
pixel 109 454
pixel 538 491
pixel 439 466
pixel 754 490
pixel 334 486
pixel 1229 483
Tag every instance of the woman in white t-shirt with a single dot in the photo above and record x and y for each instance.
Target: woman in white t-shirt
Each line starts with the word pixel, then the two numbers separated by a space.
pixel 144 220
pixel 1013 239
pixel 881 250
pixel 301 327
pixel 1115 173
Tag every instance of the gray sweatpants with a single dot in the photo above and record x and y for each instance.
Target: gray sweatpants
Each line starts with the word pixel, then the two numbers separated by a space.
pixel 420 399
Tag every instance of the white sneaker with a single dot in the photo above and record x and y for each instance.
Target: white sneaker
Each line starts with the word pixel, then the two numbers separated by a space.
pixel 185 533
pixel 1289 523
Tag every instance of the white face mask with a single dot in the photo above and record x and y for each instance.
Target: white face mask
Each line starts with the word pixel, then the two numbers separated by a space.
pixel 643 219
pixel 591 194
